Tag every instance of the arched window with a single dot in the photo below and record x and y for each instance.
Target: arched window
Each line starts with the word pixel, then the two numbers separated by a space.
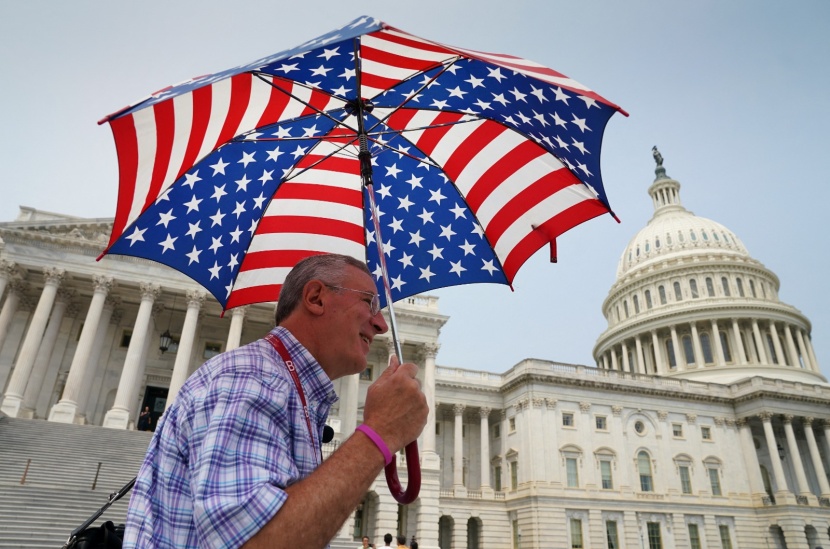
pixel 668 239
pixel 716 236
pixel 656 242
pixel 724 343
pixel 740 284
pixel 670 353
pixel 693 235
pixel 693 288
pixel 618 313
pixel 705 236
pixel 771 350
pixel 706 347
pixel 752 288
pixel 648 299
pixel 648 247
pixel 688 350
pixel 680 236
pixel 725 283
pixel 625 308
pixel 710 287
pixel 662 291
pixel 644 468
pixel 678 296
pixel 636 304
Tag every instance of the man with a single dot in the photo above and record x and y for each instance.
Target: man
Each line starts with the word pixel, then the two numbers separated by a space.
pixel 402 542
pixel 234 461
pixel 366 544
pixel 387 541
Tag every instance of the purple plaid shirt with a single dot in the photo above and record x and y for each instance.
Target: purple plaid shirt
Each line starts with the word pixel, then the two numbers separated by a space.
pixel 234 438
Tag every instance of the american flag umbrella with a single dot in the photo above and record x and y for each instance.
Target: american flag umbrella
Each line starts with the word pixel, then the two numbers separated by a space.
pixel 436 165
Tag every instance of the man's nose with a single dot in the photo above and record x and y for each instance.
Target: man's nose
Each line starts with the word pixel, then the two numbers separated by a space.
pixel 379 323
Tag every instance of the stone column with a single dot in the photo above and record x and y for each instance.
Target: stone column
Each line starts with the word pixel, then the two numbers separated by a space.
pixel 641 360
pixel 739 344
pixel 13 399
pixel 50 336
pixel 679 356
pixel 8 270
pixel 94 365
pixel 459 530
pixel 484 414
pixel 720 358
pixel 625 361
pixel 803 350
pixel 428 454
pixel 798 465
pixel 235 331
pixel 772 448
pixel 458 448
pixel 181 367
pixel 793 353
pixel 700 360
pixel 658 354
pixel 9 309
pixel 119 416
pixel 760 344
pixel 753 467
pixel 66 410
pixel 824 486
pixel 614 364
pixel 776 344
pixel 809 343
pixel 605 360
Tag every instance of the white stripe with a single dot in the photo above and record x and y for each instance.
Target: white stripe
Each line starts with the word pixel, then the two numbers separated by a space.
pixel 145 133
pixel 306 241
pixel 257 103
pixel 404 50
pixel 331 178
pixel 183 120
pixel 219 103
pixel 260 277
pixel 315 208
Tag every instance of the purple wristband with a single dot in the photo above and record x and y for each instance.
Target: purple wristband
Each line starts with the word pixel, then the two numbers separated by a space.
pixel 374 437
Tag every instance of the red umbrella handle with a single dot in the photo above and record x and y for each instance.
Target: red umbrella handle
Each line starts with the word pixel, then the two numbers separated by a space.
pixel 413 468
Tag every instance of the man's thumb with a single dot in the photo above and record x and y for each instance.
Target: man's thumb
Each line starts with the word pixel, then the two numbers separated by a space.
pixel 393 364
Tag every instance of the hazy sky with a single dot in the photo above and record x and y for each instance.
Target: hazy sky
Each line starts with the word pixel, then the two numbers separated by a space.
pixel 735 95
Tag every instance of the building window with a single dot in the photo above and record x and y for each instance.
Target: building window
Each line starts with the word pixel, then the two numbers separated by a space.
pixel 740 284
pixel 693 288
pixel 725 283
pixel 714 481
pixel 514 475
pixel 678 295
pixel 693 235
pixel 685 479
pixel 636 304
pixel 126 336
pixel 576 534
pixel 725 538
pixel 611 534
pixel 724 343
pixel 437 428
pixel 648 299
pixel 602 423
pixel 496 431
pixel 710 287
pixel 212 349
pixel 771 349
pixel 644 468
pixel 662 291
pixel 567 419
pixel 694 536
pixel 677 430
pixel 705 236
pixel 497 477
pixel 706 347
pixel 572 472
pixel 625 308
pixel 680 236
pixel 640 427
pixel 654 540
pixel 512 423
pixel 752 288
pixel 706 432
pixel 688 350
pixel 605 472
pixel 366 375
pixel 670 354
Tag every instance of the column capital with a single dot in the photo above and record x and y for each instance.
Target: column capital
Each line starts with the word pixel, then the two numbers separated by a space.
pixel 551 403
pixel 807 421
pixel 103 283
pixel 538 402
pixel 54 275
pixel 458 409
pixel 788 419
pixel 765 416
pixel 742 422
pixel 585 406
pixel 662 415
pixel 242 310
pixel 8 269
pixel 149 290
pixel 484 413
pixel 616 410
pixel 196 298
pixel 691 418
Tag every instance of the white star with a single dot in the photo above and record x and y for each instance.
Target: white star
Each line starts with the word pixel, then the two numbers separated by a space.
pixel 214 271
pixel 194 229
pixel 191 178
pixel 288 68
pixel 414 181
pixel 328 54
pixel 518 95
pixel 384 190
pixel 560 95
pixel 557 120
pixel 341 91
pixel 584 169
pixel 378 272
pixel 233 262
pixel 589 101
pixel 436 252
pixel 235 234
pixel 322 70
pixel 310 132
pixel 168 244
pixel 252 228
pixel 193 204
pixel 562 143
pixel 500 99
pixel 370 237
pixel 228 290
pixel 282 132
pixel 439 104
pixel 217 243
pixel 426 273
pixel 540 94
pixel 541 118
pixel 247 158
pixel 426 216
pixel 459 211
pixel 393 171
pixel 579 145
pixel 137 236
pixel 217 218
pixel 457 268
pixel 396 225
pixel 299 151
pixel 218 192
pixel 475 82
pixel 468 248
pixel 580 123
pixel 397 283
pixel 405 203
pixel 416 238
pixel 489 267
pixel 258 201
pixel 436 196
pixel 477 230
pixel 267 175
pixel 242 184
pixel 388 248
pixel 522 117
pixel 447 231
pixel 219 167
pixel 240 209
pixel 165 218
pixel 456 92
pixel 406 260
pixel 274 154
pixel 482 105
pixel 348 74
pixel 496 73
pixel 193 255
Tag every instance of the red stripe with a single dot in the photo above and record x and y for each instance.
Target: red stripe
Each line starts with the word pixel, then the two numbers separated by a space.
pixel 198 127
pixel 501 170
pixel 126 146
pixel 383 57
pixel 377 82
pixel 330 164
pixel 433 135
pixel 316 103
pixel 276 106
pixel 547 232
pixel 311 225
pixel 409 41
pixel 256 294
pixel 401 118
pixel 165 119
pixel 240 96
pixel 470 148
pixel 339 195
pixel 274 258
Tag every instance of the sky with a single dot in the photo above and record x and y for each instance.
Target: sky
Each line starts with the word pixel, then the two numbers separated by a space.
pixel 734 94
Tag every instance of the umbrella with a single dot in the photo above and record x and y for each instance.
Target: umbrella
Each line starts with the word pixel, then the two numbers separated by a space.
pixel 436 165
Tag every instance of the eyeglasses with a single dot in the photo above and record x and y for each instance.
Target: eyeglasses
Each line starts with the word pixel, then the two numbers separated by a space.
pixel 374 304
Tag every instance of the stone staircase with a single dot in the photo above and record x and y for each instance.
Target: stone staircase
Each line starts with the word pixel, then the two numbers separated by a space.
pixel 53 476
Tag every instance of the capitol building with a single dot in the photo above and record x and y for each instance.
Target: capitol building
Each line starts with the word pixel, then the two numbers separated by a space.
pixel 704 422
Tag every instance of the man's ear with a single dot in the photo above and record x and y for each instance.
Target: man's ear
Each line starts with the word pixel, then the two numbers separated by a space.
pixel 313 297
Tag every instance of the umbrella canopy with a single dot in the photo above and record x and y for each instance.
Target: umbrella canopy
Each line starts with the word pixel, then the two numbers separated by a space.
pixel 473 161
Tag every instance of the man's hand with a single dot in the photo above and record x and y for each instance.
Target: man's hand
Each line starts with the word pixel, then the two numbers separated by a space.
pixel 395 407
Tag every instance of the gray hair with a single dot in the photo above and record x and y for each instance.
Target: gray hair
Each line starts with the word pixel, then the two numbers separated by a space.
pixel 330 268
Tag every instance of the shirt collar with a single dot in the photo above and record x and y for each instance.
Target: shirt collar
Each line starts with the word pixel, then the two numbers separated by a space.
pixel 316 384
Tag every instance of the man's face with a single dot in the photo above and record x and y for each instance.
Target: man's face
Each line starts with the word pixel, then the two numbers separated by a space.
pixel 351 325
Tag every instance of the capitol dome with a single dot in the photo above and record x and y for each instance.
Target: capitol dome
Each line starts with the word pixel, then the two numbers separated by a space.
pixel 689 301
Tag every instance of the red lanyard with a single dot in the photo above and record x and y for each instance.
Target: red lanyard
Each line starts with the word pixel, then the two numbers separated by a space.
pixel 286 357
